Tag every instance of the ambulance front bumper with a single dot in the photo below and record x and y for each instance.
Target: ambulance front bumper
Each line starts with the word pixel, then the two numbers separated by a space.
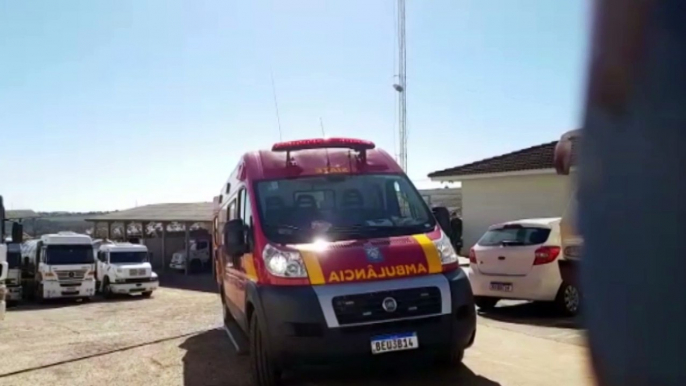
pixel 303 330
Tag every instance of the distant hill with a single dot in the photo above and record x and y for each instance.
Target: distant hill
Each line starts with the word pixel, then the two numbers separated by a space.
pixel 51 222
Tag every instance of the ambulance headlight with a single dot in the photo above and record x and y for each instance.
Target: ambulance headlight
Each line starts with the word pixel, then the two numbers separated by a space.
pixel 283 263
pixel 445 250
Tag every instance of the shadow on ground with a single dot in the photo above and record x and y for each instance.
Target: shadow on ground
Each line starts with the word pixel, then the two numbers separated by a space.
pixel 31 305
pixel 194 282
pixel 531 313
pixel 210 360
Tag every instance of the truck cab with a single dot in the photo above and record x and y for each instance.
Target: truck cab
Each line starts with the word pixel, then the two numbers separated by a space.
pixel 327 254
pixel 60 265
pixel 124 268
pixel 200 256
pixel 14 273
pixel 3 273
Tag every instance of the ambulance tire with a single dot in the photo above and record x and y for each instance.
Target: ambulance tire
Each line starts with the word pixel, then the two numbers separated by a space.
pixel 451 358
pixel 262 366
pixel 147 294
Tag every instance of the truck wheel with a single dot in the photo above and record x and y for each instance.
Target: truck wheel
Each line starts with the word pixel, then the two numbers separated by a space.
pixel 485 303
pixel 39 293
pixel 195 267
pixel 147 294
pixel 107 289
pixel 262 366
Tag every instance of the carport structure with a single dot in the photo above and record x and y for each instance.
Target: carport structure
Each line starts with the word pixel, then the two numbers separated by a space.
pixel 185 214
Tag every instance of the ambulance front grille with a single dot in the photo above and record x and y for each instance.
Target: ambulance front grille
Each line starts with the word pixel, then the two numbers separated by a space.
pixel 368 307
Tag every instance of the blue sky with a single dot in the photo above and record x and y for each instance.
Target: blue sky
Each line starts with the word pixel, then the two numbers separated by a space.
pixel 109 104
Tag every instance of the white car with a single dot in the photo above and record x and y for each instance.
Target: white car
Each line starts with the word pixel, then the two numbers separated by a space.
pixel 518 260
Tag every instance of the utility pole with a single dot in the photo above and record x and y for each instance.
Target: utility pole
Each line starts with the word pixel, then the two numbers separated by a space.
pixel 401 86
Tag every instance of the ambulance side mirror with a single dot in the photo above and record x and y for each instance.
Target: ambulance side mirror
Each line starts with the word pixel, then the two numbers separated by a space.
pixel 234 238
pixel 442 216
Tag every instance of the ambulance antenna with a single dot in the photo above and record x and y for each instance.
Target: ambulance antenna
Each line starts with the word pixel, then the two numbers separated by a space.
pixel 276 106
pixel 328 161
pixel 321 124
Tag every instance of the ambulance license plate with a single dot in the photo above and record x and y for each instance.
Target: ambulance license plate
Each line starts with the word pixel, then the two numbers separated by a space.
pixel 396 342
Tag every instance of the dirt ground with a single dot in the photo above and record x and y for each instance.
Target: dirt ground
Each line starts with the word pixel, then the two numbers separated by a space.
pixel 175 338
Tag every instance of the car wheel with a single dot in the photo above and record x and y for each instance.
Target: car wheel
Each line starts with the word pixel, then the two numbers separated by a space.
pixel 147 294
pixel 262 366
pixel 568 299
pixel 485 303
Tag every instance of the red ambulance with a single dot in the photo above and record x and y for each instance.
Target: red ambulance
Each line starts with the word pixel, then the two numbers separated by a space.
pixel 326 253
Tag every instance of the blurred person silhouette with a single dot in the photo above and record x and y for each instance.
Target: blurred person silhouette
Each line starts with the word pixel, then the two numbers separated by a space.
pixel 632 194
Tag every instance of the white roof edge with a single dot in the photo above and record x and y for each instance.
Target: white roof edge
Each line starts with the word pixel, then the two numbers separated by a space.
pixel 494 175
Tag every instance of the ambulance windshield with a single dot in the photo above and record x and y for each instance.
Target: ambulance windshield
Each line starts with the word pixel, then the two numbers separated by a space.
pixel 341 207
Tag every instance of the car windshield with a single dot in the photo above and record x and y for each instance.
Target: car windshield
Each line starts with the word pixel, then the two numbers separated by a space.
pixel 13 255
pixel 128 257
pixel 514 236
pixel 69 254
pixel 341 207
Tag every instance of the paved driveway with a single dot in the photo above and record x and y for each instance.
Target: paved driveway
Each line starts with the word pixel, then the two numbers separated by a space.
pixel 174 339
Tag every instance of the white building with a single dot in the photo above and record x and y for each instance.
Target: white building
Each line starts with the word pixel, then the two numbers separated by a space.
pixel 517 185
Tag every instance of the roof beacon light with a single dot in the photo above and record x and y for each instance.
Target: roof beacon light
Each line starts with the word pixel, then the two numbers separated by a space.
pixel 324 143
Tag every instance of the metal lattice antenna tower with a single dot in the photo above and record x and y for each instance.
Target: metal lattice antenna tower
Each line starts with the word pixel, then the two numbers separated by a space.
pixel 401 86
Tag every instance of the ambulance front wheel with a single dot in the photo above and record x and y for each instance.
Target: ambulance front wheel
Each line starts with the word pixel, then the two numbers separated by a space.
pixel 451 358
pixel 262 365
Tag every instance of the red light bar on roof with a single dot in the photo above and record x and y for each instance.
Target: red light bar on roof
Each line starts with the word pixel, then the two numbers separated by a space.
pixel 324 143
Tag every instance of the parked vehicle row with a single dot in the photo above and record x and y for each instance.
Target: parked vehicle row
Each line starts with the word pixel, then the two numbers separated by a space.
pixel 71 265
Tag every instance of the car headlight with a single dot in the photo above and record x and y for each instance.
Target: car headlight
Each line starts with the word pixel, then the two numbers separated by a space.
pixel 283 263
pixel 120 270
pixel 445 250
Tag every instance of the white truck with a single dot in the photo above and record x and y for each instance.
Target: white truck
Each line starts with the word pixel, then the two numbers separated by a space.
pixel 200 256
pixel 3 260
pixel 14 273
pixel 123 268
pixel 59 265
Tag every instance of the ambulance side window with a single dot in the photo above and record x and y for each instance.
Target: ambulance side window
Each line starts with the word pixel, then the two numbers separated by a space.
pixel 246 214
pixel 231 210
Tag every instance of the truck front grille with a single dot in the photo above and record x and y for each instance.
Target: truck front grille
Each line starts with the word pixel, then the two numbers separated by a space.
pixel 137 272
pixel 139 280
pixel 70 275
pixel 366 308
